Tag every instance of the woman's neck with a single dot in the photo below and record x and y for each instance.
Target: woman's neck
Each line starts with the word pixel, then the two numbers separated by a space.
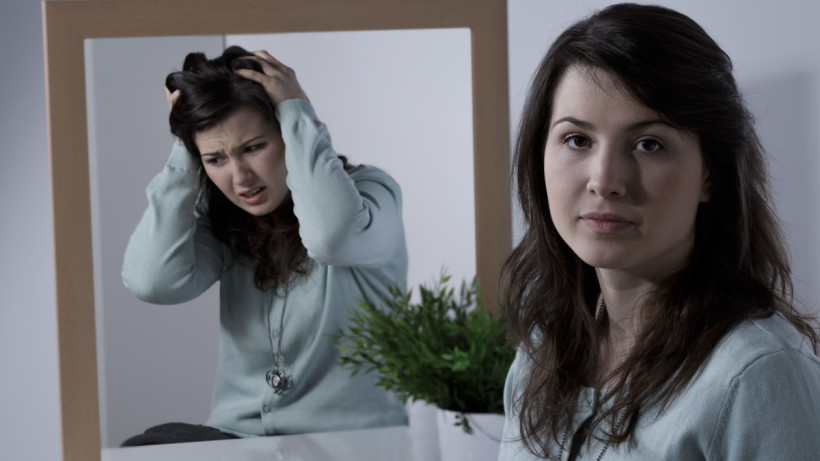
pixel 623 298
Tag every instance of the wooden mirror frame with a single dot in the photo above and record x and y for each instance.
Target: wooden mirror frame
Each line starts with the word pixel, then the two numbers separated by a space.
pixel 67 24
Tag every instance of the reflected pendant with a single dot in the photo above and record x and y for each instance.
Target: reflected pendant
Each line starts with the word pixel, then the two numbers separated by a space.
pixel 278 380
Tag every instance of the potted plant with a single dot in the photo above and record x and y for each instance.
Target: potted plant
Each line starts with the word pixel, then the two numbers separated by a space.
pixel 444 349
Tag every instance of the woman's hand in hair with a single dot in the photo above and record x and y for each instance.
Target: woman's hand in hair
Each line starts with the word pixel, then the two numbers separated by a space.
pixel 278 79
pixel 171 97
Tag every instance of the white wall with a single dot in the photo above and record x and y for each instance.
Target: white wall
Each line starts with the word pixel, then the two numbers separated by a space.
pixel 29 405
pixel 156 364
pixel 770 42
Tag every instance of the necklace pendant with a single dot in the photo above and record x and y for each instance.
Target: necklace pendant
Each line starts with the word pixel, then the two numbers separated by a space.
pixel 278 380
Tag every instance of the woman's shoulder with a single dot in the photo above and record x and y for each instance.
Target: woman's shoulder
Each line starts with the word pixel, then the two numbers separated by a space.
pixel 761 347
pixel 762 370
pixel 757 338
pixel 771 376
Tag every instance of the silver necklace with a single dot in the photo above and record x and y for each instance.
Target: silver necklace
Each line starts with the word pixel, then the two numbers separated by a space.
pixel 276 377
pixel 562 446
pixel 599 315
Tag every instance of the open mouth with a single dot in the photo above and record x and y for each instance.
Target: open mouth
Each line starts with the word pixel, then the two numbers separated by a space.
pixel 252 192
pixel 253 196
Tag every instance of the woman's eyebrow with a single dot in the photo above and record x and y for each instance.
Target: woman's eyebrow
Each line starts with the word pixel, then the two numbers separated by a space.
pixel 210 154
pixel 244 143
pixel 632 127
pixel 574 121
pixel 253 139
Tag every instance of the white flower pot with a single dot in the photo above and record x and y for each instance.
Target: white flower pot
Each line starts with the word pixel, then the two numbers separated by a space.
pixel 457 445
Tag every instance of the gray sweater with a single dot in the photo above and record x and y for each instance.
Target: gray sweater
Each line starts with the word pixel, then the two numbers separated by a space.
pixel 350 223
pixel 757 398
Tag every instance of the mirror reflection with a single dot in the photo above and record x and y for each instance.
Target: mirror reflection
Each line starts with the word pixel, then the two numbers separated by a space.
pixel 399 100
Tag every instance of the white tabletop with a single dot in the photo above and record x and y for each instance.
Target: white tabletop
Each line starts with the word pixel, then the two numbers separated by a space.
pixel 398 443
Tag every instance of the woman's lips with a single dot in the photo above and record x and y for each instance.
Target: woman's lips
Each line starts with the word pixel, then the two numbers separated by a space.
pixel 253 196
pixel 606 222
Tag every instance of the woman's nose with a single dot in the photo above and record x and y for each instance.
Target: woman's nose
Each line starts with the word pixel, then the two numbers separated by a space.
pixel 610 171
pixel 242 173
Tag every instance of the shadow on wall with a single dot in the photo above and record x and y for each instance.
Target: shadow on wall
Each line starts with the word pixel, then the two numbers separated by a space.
pixel 786 121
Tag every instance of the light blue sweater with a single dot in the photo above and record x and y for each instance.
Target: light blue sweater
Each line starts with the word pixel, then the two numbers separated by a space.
pixel 756 399
pixel 350 223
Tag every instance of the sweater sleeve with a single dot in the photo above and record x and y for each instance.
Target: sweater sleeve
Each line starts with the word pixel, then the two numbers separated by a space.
pixel 172 257
pixel 345 219
pixel 772 411
pixel 512 447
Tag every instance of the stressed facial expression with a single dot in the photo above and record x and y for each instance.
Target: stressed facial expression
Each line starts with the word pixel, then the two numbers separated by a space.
pixel 623 185
pixel 244 156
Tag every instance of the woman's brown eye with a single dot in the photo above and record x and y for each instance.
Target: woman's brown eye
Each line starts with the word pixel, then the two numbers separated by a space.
pixel 649 145
pixel 577 142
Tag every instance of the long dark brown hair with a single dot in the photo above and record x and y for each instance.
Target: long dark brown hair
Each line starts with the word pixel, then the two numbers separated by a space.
pixel 210 91
pixel 738 268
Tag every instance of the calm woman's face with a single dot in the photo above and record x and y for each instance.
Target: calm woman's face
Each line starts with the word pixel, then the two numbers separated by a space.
pixel 623 186
pixel 245 157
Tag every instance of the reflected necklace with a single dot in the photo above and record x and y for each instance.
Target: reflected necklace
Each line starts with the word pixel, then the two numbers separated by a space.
pixel 276 377
pixel 599 315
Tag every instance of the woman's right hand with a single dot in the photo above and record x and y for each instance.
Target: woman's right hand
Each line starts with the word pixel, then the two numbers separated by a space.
pixel 278 79
pixel 171 97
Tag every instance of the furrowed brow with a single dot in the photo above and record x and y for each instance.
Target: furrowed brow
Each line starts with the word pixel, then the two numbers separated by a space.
pixel 253 140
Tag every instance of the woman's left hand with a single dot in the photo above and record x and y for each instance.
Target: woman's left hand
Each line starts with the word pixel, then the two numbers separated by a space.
pixel 278 79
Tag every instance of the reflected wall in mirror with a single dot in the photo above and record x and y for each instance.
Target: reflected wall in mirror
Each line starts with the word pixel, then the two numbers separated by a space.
pixel 68 24
pixel 400 100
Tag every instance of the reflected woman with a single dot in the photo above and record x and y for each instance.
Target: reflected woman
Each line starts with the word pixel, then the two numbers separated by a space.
pixel 651 292
pixel 254 196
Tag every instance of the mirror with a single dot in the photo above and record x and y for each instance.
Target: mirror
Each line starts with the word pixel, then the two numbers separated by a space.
pixel 400 100
pixel 68 24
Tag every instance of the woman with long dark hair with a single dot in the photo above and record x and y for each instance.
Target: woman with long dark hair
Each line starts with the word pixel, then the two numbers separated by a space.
pixel 651 293
pixel 255 197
